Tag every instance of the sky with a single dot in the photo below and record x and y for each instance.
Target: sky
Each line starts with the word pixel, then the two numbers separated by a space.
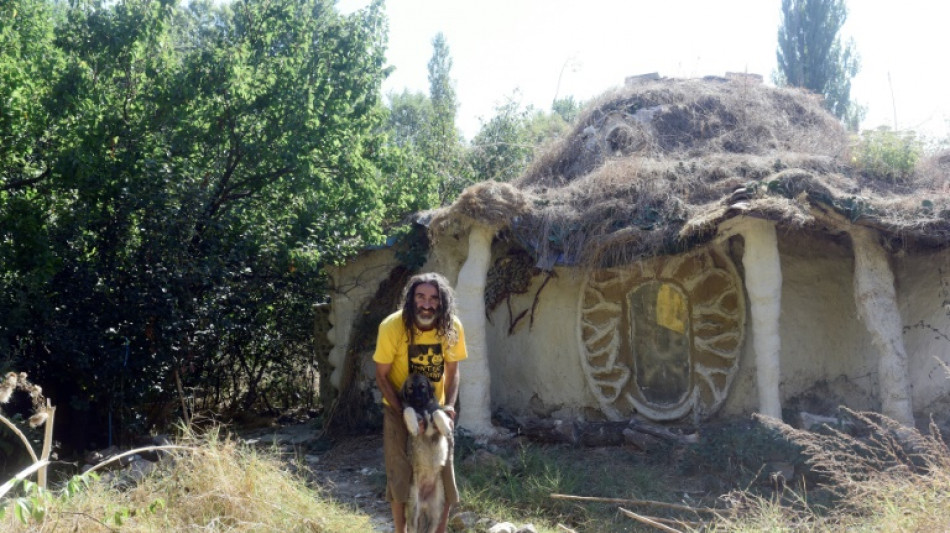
pixel 536 50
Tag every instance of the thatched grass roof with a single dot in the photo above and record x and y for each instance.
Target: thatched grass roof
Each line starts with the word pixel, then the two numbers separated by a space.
pixel 655 167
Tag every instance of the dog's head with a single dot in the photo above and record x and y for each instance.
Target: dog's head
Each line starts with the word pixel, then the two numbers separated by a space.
pixel 418 392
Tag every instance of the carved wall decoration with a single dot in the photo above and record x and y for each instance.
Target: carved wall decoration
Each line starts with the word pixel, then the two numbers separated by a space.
pixel 662 337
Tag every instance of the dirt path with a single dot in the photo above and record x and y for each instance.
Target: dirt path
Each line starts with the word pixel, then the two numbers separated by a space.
pixel 351 472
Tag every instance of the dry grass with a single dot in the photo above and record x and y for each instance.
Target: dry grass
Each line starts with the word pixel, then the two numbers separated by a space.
pixel 220 486
pixel 690 119
pixel 656 167
pixel 884 478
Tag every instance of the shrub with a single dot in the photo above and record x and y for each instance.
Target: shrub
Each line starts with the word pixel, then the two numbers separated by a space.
pixel 887 155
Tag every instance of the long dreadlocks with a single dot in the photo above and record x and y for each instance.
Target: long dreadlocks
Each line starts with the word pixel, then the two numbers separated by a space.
pixel 444 324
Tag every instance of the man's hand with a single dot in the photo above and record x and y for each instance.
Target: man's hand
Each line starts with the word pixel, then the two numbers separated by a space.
pixel 449 410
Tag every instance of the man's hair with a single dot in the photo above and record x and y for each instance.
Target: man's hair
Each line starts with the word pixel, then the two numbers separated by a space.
pixel 444 323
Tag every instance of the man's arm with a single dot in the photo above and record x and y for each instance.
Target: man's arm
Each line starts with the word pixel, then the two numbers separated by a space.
pixel 451 384
pixel 386 386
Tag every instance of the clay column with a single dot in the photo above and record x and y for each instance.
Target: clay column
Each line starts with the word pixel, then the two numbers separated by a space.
pixel 876 300
pixel 763 280
pixel 475 388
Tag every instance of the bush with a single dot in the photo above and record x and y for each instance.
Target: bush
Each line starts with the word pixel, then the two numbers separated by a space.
pixel 887 155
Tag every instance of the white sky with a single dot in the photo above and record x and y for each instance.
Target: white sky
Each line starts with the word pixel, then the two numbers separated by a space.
pixel 534 50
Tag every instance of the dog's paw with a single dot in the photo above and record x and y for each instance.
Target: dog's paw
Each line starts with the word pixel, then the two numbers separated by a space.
pixel 412 421
pixel 443 422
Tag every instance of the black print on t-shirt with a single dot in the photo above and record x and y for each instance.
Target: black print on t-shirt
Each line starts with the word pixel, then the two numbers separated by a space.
pixel 427 359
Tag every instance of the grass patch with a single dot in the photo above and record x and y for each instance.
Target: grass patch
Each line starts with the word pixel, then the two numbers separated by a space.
pixel 218 486
pixel 518 487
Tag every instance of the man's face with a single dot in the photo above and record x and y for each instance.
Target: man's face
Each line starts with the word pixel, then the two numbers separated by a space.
pixel 426 298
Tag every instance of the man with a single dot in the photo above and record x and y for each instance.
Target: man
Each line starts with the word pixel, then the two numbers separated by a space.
pixel 424 336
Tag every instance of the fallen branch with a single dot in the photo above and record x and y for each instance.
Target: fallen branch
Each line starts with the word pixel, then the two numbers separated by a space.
pixel 665 505
pixel 23 474
pixel 649 521
pixel 88 516
pixel 16 430
pixel 139 450
pixel 562 527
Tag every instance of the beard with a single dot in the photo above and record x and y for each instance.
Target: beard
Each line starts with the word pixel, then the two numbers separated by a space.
pixel 425 319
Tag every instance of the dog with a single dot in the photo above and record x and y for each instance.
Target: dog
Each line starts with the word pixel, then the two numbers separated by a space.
pixel 430 440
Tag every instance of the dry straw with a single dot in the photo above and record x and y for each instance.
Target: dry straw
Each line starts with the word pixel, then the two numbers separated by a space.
pixel 655 167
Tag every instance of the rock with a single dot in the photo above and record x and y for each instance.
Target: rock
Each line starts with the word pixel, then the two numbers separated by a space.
pixel 140 468
pixel 503 527
pixel 778 474
pixel 129 459
pixel 96 457
pixel 463 521
pixel 640 440
pixel 155 440
pixel 527 528
pixel 812 422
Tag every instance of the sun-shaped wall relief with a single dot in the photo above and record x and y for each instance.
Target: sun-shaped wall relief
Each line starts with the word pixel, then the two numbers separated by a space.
pixel 662 338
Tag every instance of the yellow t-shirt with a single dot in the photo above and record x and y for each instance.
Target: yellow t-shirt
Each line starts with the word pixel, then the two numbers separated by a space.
pixel 428 353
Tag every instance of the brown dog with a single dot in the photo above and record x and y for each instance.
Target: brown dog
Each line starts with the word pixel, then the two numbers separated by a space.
pixel 430 438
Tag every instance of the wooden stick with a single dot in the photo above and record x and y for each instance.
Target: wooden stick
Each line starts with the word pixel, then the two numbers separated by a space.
pixel 20 434
pixel 47 443
pixel 637 502
pixel 562 527
pixel 181 396
pixel 649 521
pixel 677 522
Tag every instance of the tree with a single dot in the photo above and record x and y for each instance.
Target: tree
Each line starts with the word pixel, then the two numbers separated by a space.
pixel 442 95
pixel 422 136
pixel 442 144
pixel 811 55
pixel 175 178
pixel 507 143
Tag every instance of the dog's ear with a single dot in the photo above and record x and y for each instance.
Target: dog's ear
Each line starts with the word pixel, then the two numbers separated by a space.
pixel 404 391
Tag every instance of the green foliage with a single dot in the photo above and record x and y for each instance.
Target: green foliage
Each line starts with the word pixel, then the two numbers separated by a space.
pixel 173 180
pixel 442 146
pixel 887 155
pixel 423 148
pixel 567 108
pixel 811 55
pixel 409 170
pixel 34 502
pixel 506 144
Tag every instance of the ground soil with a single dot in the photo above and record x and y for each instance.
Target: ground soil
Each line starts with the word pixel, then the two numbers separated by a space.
pixel 352 473
pixel 348 469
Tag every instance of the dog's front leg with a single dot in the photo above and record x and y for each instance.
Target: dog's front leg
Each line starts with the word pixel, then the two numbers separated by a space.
pixel 443 422
pixel 412 421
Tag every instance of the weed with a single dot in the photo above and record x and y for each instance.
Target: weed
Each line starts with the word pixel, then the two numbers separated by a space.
pixel 216 485
pixel 887 155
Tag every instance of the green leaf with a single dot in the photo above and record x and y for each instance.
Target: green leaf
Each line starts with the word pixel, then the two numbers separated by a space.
pixel 156 505
pixel 21 510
